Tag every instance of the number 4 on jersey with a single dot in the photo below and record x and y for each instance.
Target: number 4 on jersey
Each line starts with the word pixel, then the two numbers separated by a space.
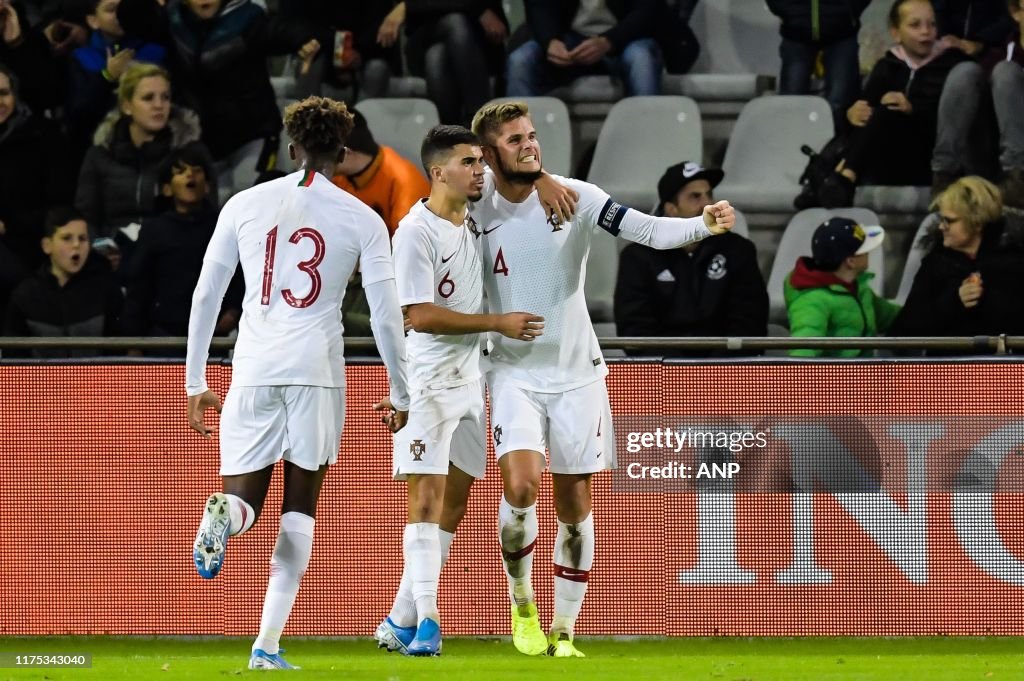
pixel 307 266
pixel 499 263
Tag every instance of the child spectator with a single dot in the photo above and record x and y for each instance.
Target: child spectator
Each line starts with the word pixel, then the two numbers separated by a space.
pixel 829 294
pixel 72 295
pixel 164 268
pixel 97 67
pixel 893 125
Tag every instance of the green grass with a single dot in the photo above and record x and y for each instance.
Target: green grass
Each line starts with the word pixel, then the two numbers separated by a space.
pixel 715 659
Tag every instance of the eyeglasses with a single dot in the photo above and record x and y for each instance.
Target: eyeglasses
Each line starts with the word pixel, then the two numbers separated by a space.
pixel 947 220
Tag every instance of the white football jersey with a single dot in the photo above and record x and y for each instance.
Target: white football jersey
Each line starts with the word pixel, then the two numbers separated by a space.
pixel 532 265
pixel 438 262
pixel 299 239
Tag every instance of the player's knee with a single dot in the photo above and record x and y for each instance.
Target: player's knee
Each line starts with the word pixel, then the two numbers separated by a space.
pixel 521 491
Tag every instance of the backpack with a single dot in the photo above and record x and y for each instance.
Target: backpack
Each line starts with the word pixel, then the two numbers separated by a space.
pixel 820 165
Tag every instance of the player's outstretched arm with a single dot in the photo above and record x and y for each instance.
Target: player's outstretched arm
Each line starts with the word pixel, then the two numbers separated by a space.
pixel 388 331
pixel 430 318
pixel 664 232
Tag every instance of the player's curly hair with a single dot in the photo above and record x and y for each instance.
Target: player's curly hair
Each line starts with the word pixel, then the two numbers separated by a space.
pixel 488 120
pixel 319 124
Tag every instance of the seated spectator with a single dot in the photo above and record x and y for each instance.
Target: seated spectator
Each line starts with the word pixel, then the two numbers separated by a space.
pixel 352 54
pixel 34 173
pixel 72 295
pixel 571 39
pixel 26 51
pixel 893 126
pixel 378 175
pixel 969 283
pixel 97 67
pixel 829 293
pixel 220 50
pixel 164 269
pixel 829 28
pixel 118 183
pixel 456 46
pixel 712 287
pixel 965 143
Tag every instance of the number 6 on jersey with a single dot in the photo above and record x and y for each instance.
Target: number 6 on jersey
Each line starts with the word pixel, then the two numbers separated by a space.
pixel 307 266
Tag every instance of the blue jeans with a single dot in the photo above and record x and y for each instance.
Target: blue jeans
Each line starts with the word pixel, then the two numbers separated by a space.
pixel 842 72
pixel 530 74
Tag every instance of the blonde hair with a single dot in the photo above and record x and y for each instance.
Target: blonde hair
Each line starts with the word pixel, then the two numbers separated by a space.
pixel 976 200
pixel 488 120
pixel 135 74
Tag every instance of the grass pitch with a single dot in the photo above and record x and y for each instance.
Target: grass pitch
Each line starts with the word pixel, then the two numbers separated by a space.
pixel 679 659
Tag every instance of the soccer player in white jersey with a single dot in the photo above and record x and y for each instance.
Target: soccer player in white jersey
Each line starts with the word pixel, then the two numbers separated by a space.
pixel 298 239
pixel 550 394
pixel 443 447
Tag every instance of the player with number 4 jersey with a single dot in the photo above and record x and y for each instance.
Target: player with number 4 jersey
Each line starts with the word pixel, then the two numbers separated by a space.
pixel 550 395
pixel 298 240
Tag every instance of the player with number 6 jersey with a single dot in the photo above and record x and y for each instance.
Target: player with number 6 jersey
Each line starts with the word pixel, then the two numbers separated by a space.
pixel 298 240
pixel 550 396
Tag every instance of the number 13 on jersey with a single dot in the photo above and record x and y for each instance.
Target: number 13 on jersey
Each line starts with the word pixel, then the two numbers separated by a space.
pixel 307 266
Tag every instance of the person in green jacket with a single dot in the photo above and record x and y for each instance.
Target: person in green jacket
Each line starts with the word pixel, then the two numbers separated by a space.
pixel 829 293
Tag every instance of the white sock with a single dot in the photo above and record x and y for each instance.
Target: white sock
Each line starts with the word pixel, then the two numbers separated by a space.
pixel 573 558
pixel 242 515
pixel 517 532
pixel 421 547
pixel 403 610
pixel 287 565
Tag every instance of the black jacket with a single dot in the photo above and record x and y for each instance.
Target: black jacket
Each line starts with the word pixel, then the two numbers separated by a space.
pixel 163 271
pixel 818 21
pixel 551 19
pixel 716 291
pixel 88 305
pixel 933 307
pixel 922 87
pixel 34 175
pixel 221 64
pixel 983 21
pixel 117 184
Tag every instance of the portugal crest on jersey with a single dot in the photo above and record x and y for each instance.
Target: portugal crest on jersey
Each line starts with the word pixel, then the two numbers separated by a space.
pixel 418 449
pixel 497 435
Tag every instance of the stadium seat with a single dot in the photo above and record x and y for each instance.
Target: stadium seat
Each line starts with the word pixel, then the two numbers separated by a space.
pixel 400 123
pixel 914 257
pixel 551 119
pixel 888 199
pixel 796 241
pixel 763 161
pixel 602 269
pixel 716 87
pixel 405 86
pixel 743 37
pixel 627 164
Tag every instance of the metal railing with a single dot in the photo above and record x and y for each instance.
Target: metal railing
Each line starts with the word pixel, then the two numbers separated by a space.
pixel 996 345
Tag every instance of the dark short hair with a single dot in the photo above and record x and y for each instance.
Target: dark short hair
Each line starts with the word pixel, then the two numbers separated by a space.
pixel 361 139
pixel 319 125
pixel 59 216
pixel 894 11
pixel 190 154
pixel 441 139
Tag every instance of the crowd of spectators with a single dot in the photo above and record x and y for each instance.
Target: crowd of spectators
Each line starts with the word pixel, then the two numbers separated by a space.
pixel 134 120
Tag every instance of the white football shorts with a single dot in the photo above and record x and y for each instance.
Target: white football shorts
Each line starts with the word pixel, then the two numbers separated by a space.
pixel 445 426
pixel 260 425
pixel 574 426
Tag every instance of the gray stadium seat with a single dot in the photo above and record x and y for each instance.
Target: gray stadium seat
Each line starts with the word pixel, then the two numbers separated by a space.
pixel 640 138
pixel 551 119
pixel 743 37
pixel 914 257
pixel 602 269
pixel 406 86
pixel 796 241
pixel 763 161
pixel 887 199
pixel 400 123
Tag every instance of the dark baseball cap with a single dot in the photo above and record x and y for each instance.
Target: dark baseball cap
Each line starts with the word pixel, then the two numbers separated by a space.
pixel 681 174
pixel 837 239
